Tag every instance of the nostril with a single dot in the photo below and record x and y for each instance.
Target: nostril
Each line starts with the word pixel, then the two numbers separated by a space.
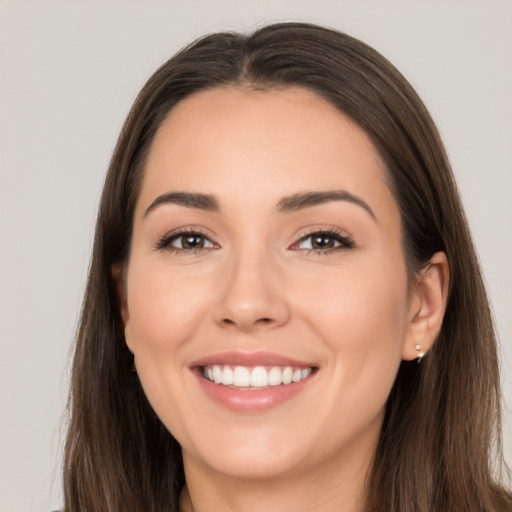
pixel 264 320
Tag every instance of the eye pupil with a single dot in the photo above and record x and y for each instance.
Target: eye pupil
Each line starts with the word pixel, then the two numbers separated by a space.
pixel 193 241
pixel 322 241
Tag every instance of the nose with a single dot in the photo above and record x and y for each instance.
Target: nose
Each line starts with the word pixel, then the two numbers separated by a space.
pixel 251 296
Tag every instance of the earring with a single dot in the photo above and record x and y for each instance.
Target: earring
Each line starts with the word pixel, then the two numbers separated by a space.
pixel 134 369
pixel 420 352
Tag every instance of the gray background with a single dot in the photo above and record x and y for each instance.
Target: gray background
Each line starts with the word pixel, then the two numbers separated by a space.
pixel 69 71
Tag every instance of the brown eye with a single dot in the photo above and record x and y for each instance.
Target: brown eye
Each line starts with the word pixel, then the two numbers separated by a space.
pixel 190 241
pixel 324 242
pixel 185 242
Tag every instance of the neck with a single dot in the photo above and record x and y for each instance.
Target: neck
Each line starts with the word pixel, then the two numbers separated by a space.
pixel 333 487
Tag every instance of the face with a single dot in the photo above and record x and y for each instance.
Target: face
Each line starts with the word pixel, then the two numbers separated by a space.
pixel 266 298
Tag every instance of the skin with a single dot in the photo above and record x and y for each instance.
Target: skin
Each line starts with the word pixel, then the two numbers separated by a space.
pixel 257 285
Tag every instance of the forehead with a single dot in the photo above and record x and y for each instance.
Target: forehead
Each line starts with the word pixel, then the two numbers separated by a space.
pixel 235 140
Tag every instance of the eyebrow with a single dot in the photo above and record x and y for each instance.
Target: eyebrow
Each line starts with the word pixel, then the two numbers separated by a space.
pixel 295 202
pixel 194 200
pixel 308 199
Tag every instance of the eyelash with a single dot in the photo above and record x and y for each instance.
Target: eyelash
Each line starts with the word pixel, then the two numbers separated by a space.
pixel 344 242
pixel 165 242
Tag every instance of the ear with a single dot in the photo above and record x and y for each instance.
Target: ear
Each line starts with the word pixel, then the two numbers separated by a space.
pixel 119 276
pixel 427 307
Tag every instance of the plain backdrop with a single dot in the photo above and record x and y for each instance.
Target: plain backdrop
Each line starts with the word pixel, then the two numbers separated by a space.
pixel 69 71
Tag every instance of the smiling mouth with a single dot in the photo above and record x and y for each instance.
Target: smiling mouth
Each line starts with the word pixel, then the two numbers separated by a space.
pixel 255 378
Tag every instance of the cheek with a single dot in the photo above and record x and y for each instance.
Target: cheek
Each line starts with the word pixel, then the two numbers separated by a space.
pixel 361 318
pixel 164 308
pixel 359 308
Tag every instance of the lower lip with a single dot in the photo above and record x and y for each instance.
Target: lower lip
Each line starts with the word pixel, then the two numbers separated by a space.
pixel 251 400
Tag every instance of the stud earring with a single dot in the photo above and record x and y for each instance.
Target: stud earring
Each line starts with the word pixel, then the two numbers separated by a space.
pixel 420 352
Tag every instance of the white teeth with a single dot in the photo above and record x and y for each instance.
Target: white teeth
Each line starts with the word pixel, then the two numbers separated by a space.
pixel 241 377
pixel 305 373
pixel 227 376
pixel 217 374
pixel 287 375
pixel 275 376
pixel 257 377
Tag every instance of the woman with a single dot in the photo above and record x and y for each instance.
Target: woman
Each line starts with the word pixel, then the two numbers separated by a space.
pixel 280 242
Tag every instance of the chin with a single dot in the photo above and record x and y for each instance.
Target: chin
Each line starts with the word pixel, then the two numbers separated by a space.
pixel 255 467
pixel 255 457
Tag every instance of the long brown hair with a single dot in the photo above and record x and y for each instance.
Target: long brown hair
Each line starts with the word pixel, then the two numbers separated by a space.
pixel 440 439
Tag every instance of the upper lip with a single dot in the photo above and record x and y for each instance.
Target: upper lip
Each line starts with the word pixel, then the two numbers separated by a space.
pixel 250 359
